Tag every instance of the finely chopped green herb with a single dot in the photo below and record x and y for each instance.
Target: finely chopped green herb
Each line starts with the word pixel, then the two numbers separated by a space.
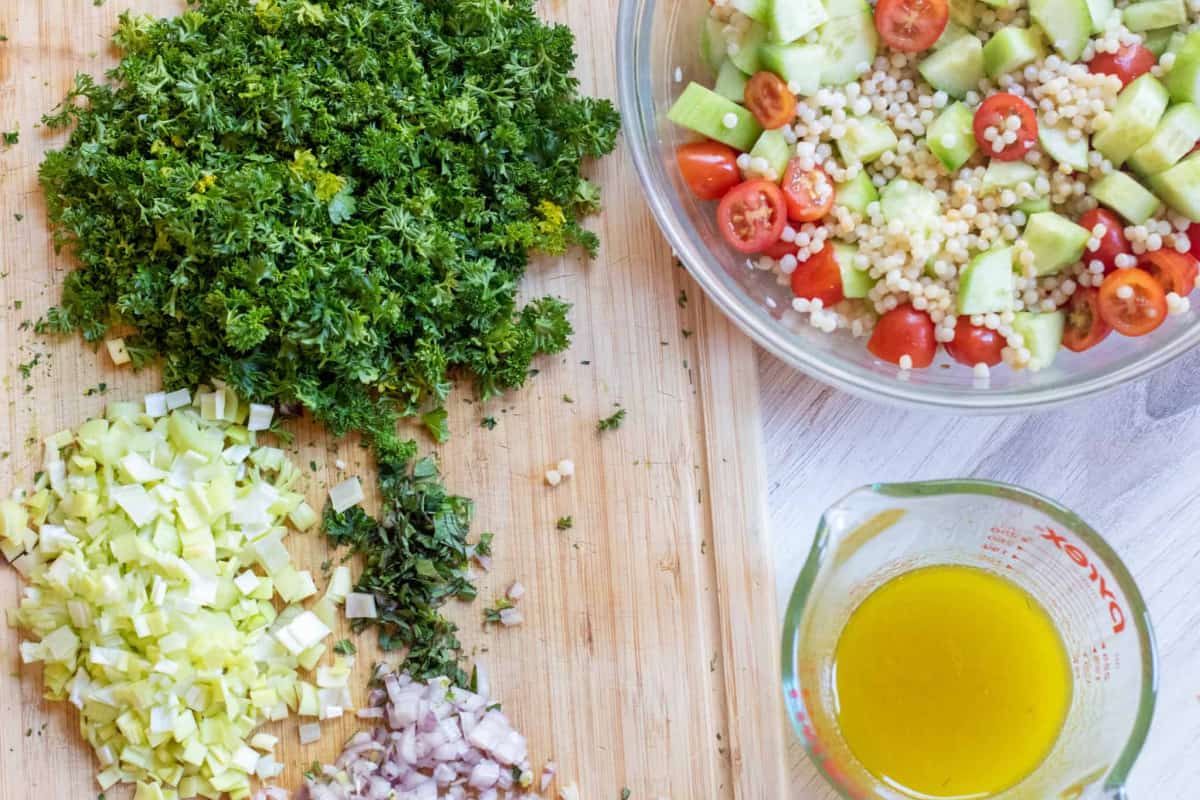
pixel 331 205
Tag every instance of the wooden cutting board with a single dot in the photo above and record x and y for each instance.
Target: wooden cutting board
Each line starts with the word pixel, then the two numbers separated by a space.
pixel 649 654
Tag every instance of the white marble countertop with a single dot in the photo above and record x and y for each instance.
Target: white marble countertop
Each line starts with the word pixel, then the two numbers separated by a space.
pixel 1123 461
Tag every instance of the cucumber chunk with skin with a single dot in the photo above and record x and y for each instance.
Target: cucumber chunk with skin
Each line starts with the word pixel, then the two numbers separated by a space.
pixel 1154 15
pixel 1067 24
pixel 1010 49
pixel 712 43
pixel 1183 81
pixel 1158 41
pixel 955 69
pixel 951 137
pixel 913 206
pixel 798 64
pixel 855 282
pixel 774 149
pixel 1001 175
pixel 872 138
pixel 1100 11
pixel 1056 242
pixel 748 55
pixel 1127 197
pixel 857 193
pixel 952 34
pixel 839 9
pixel 1174 138
pixel 1034 205
pixel 758 10
pixel 704 111
pixel 1057 143
pixel 1138 110
pixel 731 82
pixel 1179 187
pixel 1043 335
pixel 791 19
pixel 849 43
pixel 986 284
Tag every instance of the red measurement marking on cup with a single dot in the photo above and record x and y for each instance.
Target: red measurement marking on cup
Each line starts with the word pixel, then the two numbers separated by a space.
pixel 818 753
pixel 1115 612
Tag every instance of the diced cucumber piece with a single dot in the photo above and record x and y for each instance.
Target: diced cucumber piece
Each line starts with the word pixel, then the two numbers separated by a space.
pixel 1100 11
pixel 1034 205
pixel 1001 175
pixel 1056 242
pixel 1154 14
pixel 1179 187
pixel 1067 23
pixel 1176 42
pixel 1135 117
pixel 748 56
pixel 1126 196
pixel 857 193
pixel 712 43
pixel 955 69
pixel 872 138
pixel 1157 41
pixel 1010 49
pixel 731 82
pixel 704 111
pixel 791 19
pixel 952 34
pixel 758 10
pixel 964 12
pixel 849 42
pixel 986 284
pixel 774 149
pixel 1174 138
pixel 1043 334
pixel 951 137
pixel 1183 81
pixel 913 206
pixel 856 283
pixel 837 9
pixel 798 64
pixel 1057 143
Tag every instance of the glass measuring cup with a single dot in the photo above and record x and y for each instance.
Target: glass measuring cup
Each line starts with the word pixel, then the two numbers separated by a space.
pixel 880 532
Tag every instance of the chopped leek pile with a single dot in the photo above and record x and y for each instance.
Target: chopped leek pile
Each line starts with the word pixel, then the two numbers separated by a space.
pixel 152 544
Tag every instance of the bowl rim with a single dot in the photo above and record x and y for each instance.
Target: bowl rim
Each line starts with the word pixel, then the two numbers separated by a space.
pixel 640 127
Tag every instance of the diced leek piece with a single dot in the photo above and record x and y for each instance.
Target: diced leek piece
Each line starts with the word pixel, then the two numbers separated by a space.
pixel 346 494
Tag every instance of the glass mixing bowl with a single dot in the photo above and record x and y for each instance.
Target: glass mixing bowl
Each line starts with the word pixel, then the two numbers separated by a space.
pixel 657 54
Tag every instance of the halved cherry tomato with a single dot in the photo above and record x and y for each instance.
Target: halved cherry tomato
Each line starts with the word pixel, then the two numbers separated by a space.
pixel 1112 244
pixel 709 169
pixel 808 193
pixel 1132 302
pixel 1129 63
pixel 904 331
pixel 1176 272
pixel 781 249
pixel 911 26
pixel 1085 327
pixel 770 100
pixel 995 113
pixel 752 215
pixel 975 344
pixel 819 278
pixel 1194 235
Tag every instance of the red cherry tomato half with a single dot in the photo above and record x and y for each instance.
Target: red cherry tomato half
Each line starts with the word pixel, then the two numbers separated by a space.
pixel 752 215
pixel 1194 235
pixel 1175 272
pixel 994 115
pixel 975 344
pixel 819 278
pixel 911 26
pixel 1132 302
pixel 770 100
pixel 780 249
pixel 1085 327
pixel 904 331
pixel 709 169
pixel 1112 244
pixel 1129 63
pixel 809 193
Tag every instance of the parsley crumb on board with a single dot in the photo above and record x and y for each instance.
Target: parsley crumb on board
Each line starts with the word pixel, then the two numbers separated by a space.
pixel 565 523
pixel 613 422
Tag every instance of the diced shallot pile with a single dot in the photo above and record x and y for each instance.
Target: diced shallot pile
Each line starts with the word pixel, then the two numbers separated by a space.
pixel 437 741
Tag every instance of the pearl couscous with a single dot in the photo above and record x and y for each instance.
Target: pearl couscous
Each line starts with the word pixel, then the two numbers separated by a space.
pixel 1002 182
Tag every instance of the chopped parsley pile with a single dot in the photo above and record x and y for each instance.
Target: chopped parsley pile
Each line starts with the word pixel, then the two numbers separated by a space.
pixel 330 205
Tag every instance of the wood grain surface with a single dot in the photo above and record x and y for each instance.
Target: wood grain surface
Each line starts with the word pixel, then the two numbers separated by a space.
pixel 648 656
pixel 1123 461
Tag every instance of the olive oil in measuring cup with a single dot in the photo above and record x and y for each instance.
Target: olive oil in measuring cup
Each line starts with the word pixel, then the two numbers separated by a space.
pixel 951 682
